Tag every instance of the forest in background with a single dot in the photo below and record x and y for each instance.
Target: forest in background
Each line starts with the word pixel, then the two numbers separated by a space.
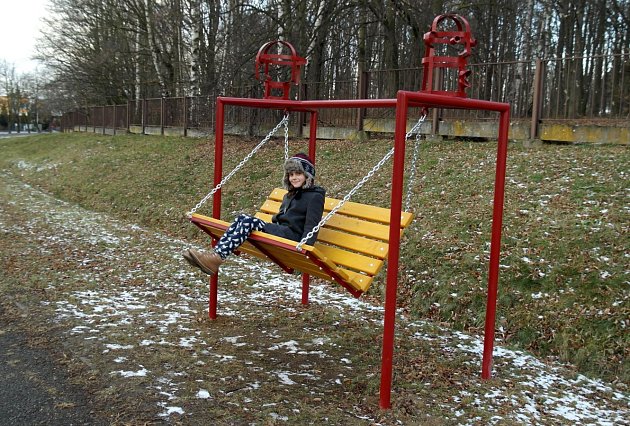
pixel 109 52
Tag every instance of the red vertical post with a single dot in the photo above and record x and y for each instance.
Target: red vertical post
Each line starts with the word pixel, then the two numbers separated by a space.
pixel 306 283
pixel 495 245
pixel 394 251
pixel 216 201
pixel 312 146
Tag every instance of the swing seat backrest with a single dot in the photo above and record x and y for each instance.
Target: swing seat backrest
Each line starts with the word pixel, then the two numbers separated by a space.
pixel 350 249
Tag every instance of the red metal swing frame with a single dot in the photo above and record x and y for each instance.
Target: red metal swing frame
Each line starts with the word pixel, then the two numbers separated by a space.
pixel 427 98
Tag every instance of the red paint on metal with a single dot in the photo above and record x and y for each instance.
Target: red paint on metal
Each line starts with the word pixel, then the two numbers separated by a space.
pixel 306 284
pixel 213 297
pixel 433 65
pixel 312 145
pixel 265 59
pixel 495 245
pixel 290 105
pixel 394 251
pixel 405 100
pixel 216 201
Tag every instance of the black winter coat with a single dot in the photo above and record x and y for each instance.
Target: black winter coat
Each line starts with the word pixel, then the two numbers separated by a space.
pixel 299 213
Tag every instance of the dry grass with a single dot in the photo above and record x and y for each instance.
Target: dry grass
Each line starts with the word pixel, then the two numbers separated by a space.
pixel 124 305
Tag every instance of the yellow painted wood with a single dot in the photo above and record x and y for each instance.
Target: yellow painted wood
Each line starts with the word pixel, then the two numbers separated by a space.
pixel 298 260
pixel 362 211
pixel 350 225
pixel 359 227
pixel 367 246
pixel 355 280
pixel 348 259
pixel 263 216
pixel 360 244
pixel 353 243
pixel 218 231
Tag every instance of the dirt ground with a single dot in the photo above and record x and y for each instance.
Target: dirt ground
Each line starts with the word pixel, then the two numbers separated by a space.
pixel 102 322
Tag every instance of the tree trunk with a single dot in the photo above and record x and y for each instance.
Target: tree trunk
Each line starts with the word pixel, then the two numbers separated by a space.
pixel 153 47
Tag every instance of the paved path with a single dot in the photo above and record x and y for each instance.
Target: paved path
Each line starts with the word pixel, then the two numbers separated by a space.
pixel 34 388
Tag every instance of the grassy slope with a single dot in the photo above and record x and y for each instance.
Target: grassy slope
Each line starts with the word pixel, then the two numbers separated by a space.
pixel 563 285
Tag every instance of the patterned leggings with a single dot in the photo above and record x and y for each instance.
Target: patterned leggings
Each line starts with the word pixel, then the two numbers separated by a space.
pixel 237 233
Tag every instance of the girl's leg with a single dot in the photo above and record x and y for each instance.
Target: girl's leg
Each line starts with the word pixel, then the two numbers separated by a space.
pixel 237 233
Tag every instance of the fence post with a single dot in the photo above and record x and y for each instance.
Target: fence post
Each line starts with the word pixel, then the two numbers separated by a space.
pixel 363 84
pixel 537 99
pixel 302 95
pixel 144 115
pixel 435 119
pixel 129 116
pixel 114 124
pixel 162 115
pixel 103 108
pixel 185 112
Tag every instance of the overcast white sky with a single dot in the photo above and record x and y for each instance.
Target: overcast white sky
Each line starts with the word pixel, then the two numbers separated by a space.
pixel 20 22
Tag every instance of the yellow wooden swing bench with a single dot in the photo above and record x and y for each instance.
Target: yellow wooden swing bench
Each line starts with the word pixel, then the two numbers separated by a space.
pixel 350 249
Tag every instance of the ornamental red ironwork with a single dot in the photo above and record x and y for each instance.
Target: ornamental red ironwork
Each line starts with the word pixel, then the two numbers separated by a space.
pixel 265 60
pixel 434 66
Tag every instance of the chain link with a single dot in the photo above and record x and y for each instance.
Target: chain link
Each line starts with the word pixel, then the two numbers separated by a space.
pixel 414 159
pixel 358 186
pixel 345 199
pixel 284 122
pixel 286 139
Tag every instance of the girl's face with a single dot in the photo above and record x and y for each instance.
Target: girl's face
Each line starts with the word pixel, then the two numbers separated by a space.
pixel 297 179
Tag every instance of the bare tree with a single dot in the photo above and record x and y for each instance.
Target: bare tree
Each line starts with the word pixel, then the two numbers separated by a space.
pixel 107 51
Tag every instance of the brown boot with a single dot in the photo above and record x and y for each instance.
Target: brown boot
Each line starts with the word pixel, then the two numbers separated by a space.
pixel 208 262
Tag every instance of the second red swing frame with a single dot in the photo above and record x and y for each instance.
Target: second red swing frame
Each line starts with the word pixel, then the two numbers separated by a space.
pixel 402 103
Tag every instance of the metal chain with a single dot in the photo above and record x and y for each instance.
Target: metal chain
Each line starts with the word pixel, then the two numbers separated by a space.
pixel 414 159
pixel 356 188
pixel 345 199
pixel 241 164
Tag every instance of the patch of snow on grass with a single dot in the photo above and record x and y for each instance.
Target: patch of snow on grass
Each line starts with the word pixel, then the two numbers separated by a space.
pixel 140 373
pixel 110 296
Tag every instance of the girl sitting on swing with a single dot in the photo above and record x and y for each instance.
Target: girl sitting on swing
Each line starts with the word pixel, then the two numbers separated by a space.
pixel 300 211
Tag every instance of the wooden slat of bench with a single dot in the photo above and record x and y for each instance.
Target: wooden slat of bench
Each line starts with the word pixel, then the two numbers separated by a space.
pixel 355 280
pixel 349 224
pixel 348 259
pixel 216 228
pixel 287 254
pixel 301 263
pixel 369 246
pixel 343 258
pixel 362 211
pixel 366 246
pixel 289 257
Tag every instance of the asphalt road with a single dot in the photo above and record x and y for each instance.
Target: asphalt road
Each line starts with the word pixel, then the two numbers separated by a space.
pixel 34 390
